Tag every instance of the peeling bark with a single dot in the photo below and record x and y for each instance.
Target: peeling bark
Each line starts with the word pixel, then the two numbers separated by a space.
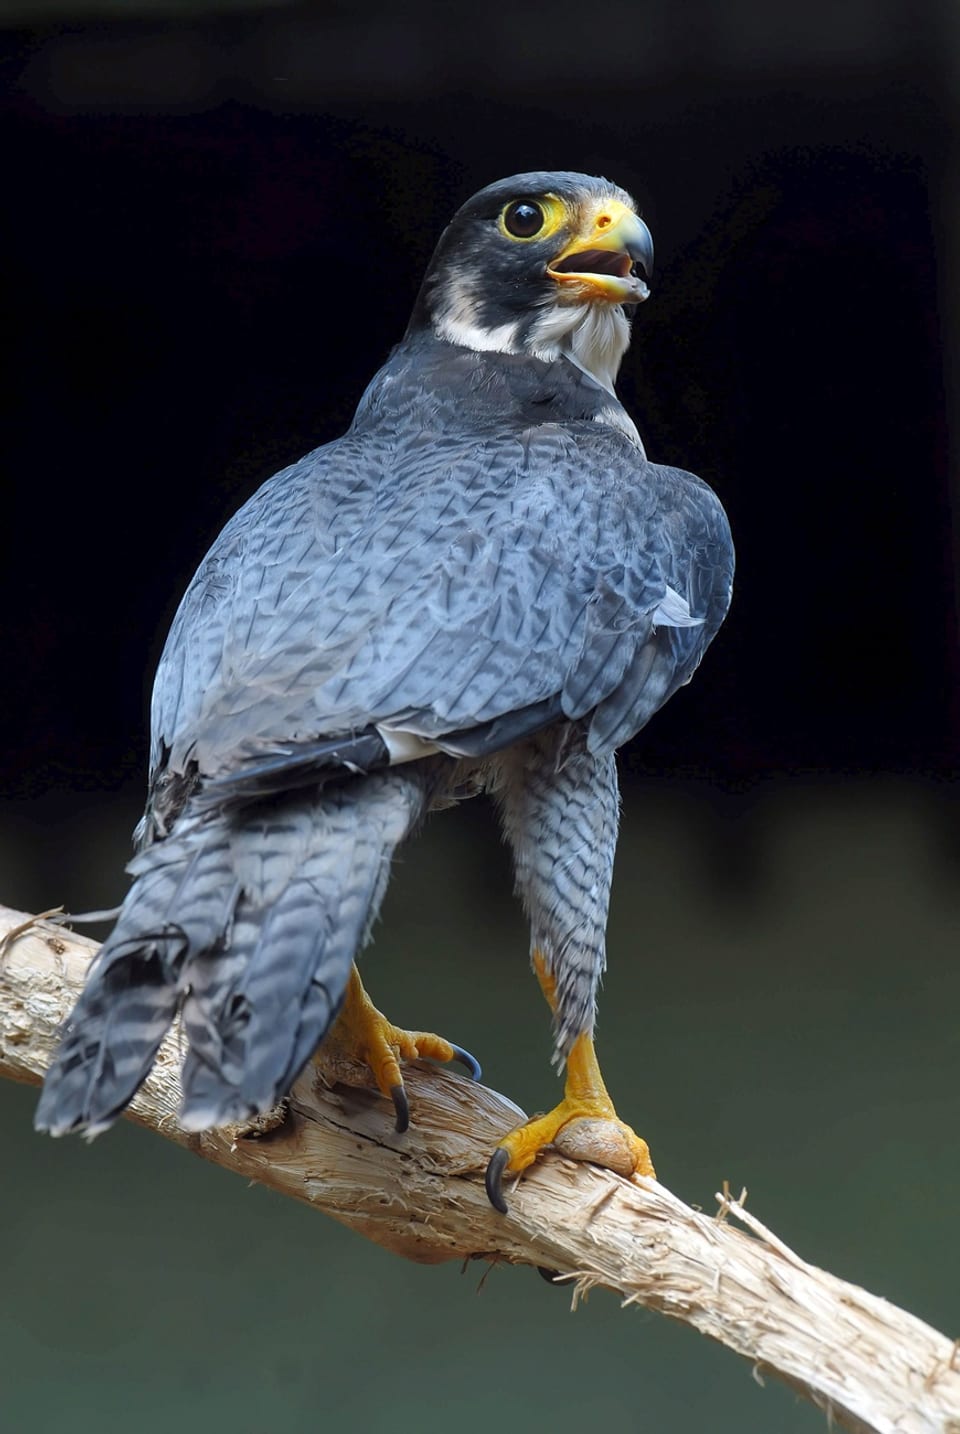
pixel 867 1364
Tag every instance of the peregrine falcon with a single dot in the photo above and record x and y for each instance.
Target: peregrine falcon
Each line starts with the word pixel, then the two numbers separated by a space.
pixel 483 585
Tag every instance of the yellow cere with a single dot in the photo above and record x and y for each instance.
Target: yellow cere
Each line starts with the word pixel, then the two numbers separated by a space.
pixel 555 214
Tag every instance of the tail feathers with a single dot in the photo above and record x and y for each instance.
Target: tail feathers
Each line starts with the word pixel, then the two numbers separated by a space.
pixel 111 1040
pixel 178 900
pixel 249 922
pixel 215 1014
pixel 253 1028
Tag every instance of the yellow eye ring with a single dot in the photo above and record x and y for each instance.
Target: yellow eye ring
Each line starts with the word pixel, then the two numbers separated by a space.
pixel 525 219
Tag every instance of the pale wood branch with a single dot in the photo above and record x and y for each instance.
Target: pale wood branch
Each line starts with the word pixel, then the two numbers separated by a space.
pixel 867 1364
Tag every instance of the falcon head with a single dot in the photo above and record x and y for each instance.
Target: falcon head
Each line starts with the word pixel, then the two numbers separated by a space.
pixel 542 264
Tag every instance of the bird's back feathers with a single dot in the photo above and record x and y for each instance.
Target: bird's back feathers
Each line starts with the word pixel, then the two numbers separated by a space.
pixel 481 542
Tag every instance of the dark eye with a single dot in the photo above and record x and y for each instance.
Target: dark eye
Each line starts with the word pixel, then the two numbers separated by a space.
pixel 523 219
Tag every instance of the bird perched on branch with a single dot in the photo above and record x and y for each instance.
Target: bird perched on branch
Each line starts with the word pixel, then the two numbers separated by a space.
pixel 484 584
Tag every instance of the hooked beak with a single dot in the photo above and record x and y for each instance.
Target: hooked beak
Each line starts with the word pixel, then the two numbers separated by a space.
pixel 607 262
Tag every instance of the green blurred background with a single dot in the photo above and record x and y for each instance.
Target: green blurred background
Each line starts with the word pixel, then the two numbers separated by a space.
pixel 219 216
pixel 796 1035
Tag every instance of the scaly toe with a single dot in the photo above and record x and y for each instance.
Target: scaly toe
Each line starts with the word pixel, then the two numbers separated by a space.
pixel 363 1039
pixel 580 1131
pixel 604 1141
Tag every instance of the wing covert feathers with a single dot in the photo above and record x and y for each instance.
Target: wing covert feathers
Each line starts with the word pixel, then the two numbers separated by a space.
pixel 429 576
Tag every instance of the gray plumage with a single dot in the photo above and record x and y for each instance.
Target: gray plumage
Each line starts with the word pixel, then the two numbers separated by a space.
pixel 486 561
pixel 560 811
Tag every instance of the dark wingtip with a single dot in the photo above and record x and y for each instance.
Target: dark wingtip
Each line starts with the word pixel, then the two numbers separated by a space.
pixel 466 1059
pixel 402 1106
pixel 292 766
pixel 493 1179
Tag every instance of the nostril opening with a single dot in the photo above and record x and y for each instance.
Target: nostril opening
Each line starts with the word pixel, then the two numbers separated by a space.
pixel 604 221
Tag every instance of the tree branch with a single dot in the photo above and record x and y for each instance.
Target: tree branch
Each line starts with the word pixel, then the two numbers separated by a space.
pixel 869 1365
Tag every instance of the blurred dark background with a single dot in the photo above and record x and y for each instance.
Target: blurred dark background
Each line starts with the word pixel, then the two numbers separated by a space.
pixel 217 219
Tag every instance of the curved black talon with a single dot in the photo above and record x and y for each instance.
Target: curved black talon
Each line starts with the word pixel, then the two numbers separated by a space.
pixel 466 1059
pixel 402 1106
pixel 494 1177
pixel 548 1275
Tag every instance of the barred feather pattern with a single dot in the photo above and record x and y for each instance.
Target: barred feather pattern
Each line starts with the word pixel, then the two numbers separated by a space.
pixel 248 920
pixel 560 809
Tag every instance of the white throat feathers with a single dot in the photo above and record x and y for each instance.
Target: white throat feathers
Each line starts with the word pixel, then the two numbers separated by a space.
pixel 594 336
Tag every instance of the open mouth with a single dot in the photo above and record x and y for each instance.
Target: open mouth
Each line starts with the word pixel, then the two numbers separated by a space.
pixel 608 274
pixel 595 261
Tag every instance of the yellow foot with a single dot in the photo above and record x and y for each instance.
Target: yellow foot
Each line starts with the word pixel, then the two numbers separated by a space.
pixel 585 1122
pixel 362 1035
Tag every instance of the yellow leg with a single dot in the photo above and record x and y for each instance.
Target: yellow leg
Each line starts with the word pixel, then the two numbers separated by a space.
pixel 585 1097
pixel 362 1035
